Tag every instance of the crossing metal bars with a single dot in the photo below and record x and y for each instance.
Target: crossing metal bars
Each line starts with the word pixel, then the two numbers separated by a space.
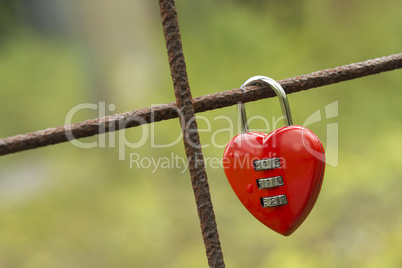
pixel 191 137
pixel 185 108
pixel 218 100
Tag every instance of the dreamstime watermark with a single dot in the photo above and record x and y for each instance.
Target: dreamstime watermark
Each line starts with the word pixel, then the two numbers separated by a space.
pixel 148 133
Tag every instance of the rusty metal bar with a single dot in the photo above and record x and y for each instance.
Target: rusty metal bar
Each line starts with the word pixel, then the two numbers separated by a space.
pixel 191 138
pixel 227 98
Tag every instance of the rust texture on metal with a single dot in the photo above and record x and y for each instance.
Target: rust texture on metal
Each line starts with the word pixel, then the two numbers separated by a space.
pixel 191 138
pixel 227 98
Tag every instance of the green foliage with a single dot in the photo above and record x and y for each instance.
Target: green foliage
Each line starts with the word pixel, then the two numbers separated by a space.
pixel 8 17
pixel 65 206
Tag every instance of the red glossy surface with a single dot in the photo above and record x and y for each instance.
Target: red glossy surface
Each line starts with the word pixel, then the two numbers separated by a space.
pixel 302 167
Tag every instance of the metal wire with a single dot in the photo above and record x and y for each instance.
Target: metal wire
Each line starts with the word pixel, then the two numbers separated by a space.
pixel 191 137
pixel 185 108
pixel 227 98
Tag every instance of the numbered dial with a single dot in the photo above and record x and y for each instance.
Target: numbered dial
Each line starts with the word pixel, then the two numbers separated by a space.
pixel 274 201
pixel 266 164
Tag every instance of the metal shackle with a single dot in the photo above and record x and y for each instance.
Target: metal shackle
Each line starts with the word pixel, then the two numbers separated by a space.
pixel 262 80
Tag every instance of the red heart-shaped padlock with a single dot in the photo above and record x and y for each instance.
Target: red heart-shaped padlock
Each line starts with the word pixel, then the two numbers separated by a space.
pixel 276 176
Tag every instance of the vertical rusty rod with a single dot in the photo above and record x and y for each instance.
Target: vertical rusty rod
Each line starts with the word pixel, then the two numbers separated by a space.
pixel 190 133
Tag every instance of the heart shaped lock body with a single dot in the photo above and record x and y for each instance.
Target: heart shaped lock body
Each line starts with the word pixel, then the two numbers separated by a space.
pixel 276 176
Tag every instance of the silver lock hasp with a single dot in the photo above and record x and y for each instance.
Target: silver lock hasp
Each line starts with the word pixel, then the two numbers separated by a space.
pixel 263 80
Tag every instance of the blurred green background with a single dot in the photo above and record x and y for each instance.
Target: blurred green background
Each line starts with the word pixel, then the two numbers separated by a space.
pixel 65 206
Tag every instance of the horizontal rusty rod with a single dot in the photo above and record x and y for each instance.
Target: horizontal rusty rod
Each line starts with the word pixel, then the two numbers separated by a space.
pixel 191 139
pixel 227 98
